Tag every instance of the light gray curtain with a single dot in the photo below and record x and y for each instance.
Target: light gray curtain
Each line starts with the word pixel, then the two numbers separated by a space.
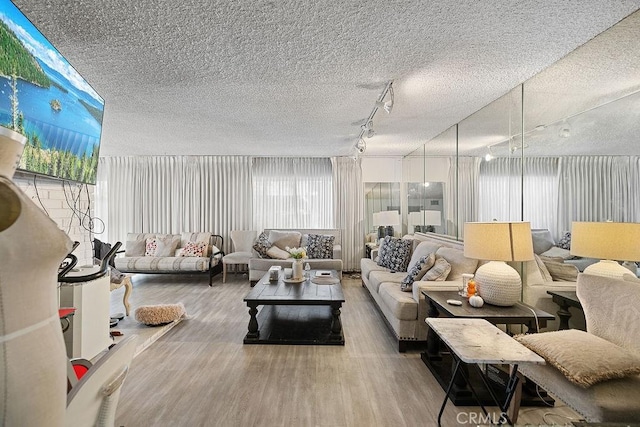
pixel 292 193
pixel 468 193
pixel 499 190
pixel 172 194
pixel 540 193
pixel 598 188
pixel 348 190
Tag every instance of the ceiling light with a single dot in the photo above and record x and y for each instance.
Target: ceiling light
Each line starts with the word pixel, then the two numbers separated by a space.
pixel 361 145
pixel 489 156
pixel 367 128
pixel 565 130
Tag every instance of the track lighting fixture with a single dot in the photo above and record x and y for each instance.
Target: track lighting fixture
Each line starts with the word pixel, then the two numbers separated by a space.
pixel 489 156
pixel 367 128
pixel 565 130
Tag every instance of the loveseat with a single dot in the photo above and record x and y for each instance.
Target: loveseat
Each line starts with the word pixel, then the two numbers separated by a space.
pixel 609 348
pixel 270 250
pixel 155 253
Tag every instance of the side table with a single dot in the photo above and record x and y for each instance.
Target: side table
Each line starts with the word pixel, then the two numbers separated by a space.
pixel 565 299
pixel 478 342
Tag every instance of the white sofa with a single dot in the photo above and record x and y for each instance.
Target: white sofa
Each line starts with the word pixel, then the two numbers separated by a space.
pixel 405 312
pixel 259 266
pixel 172 260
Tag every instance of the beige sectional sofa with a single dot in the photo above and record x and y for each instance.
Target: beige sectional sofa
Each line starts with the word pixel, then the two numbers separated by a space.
pixel 281 238
pixel 172 253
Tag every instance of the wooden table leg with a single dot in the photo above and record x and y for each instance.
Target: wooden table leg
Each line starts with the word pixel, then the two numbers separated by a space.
pixel 336 323
pixel 128 288
pixel 253 333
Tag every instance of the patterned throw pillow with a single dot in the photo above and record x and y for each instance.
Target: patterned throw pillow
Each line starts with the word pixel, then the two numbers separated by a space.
pixel 395 253
pixel 418 271
pixel 438 272
pixel 262 245
pixel 320 246
pixel 151 247
pixel 194 249
pixel 565 241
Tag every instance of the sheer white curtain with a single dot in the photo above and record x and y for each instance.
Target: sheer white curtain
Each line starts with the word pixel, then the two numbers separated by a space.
pixel 468 192
pixel 540 193
pixel 348 190
pixel 499 190
pixel 292 193
pixel 171 194
pixel 598 188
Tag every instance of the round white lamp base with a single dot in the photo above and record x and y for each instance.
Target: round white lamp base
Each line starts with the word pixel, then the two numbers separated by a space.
pixel 607 268
pixel 498 283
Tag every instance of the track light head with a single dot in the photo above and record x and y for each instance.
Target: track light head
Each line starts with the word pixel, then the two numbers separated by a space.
pixel 361 146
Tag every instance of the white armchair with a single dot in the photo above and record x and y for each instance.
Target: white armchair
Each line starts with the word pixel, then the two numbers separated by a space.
pixel 242 241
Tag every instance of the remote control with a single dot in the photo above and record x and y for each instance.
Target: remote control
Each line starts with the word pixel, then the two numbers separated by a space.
pixel 454 302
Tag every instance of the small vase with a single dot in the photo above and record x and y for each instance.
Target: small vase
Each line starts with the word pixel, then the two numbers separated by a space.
pixel 297 269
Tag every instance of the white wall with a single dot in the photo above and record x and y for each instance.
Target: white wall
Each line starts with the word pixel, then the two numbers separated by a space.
pixel 52 197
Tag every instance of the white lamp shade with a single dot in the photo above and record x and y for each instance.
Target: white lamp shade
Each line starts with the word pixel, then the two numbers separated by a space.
pixel 618 241
pixel 498 241
pixel 432 217
pixel 376 219
pixel 389 218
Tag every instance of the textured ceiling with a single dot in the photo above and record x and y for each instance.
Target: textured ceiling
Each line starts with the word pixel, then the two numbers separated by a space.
pixel 297 78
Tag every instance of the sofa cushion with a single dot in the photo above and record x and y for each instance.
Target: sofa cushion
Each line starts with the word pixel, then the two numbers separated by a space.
pixel 585 359
pixel 556 252
pixel 284 239
pixel 262 245
pixel 401 304
pixel 562 272
pixel 542 240
pixel 544 271
pixel 162 245
pixel 277 253
pixel 418 271
pixel 378 277
pixel 320 246
pixel 367 265
pixel 439 272
pixel 151 264
pixel 423 248
pixel 459 263
pixel 134 248
pixel 395 253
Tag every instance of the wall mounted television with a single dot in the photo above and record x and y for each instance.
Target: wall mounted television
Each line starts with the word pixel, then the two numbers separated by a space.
pixel 43 97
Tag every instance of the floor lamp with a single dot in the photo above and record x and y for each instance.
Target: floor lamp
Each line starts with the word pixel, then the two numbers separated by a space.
pixel 498 242
pixel 619 241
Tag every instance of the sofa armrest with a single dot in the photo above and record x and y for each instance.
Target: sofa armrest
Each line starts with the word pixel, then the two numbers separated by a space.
pixel 423 309
pixel 337 251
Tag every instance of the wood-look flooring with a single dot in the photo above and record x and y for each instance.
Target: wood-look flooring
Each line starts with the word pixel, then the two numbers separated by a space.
pixel 200 373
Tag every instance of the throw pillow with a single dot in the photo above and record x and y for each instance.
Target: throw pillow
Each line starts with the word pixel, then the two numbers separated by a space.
pixel 135 248
pixel 320 246
pixel 395 253
pixel 438 272
pixel 194 249
pixel 562 272
pixel 585 359
pixel 151 246
pixel 544 271
pixel 277 253
pixel 565 241
pixel 166 245
pixel 262 245
pixel 284 239
pixel 418 271
pixel 556 252
pixel 542 240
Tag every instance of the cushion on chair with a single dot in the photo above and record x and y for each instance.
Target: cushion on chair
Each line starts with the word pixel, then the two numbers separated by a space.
pixel 585 359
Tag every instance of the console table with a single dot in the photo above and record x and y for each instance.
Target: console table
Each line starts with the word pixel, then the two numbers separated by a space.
pixel 565 299
pixel 478 342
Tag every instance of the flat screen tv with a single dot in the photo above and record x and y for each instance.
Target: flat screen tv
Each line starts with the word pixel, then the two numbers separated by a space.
pixel 44 98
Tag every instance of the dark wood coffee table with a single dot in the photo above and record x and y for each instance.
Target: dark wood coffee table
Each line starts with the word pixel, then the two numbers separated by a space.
pixel 565 299
pixel 295 313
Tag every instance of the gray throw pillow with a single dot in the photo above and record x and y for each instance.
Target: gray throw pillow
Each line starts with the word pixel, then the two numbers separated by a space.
pixel 438 272
pixel 262 245
pixel 395 253
pixel 134 248
pixel 418 270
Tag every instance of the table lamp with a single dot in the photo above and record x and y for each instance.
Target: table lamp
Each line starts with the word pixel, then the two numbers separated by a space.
pixel 388 219
pixel 431 219
pixel 498 283
pixel 608 241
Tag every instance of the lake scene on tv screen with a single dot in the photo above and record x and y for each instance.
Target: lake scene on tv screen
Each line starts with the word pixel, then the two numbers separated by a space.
pixel 44 98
